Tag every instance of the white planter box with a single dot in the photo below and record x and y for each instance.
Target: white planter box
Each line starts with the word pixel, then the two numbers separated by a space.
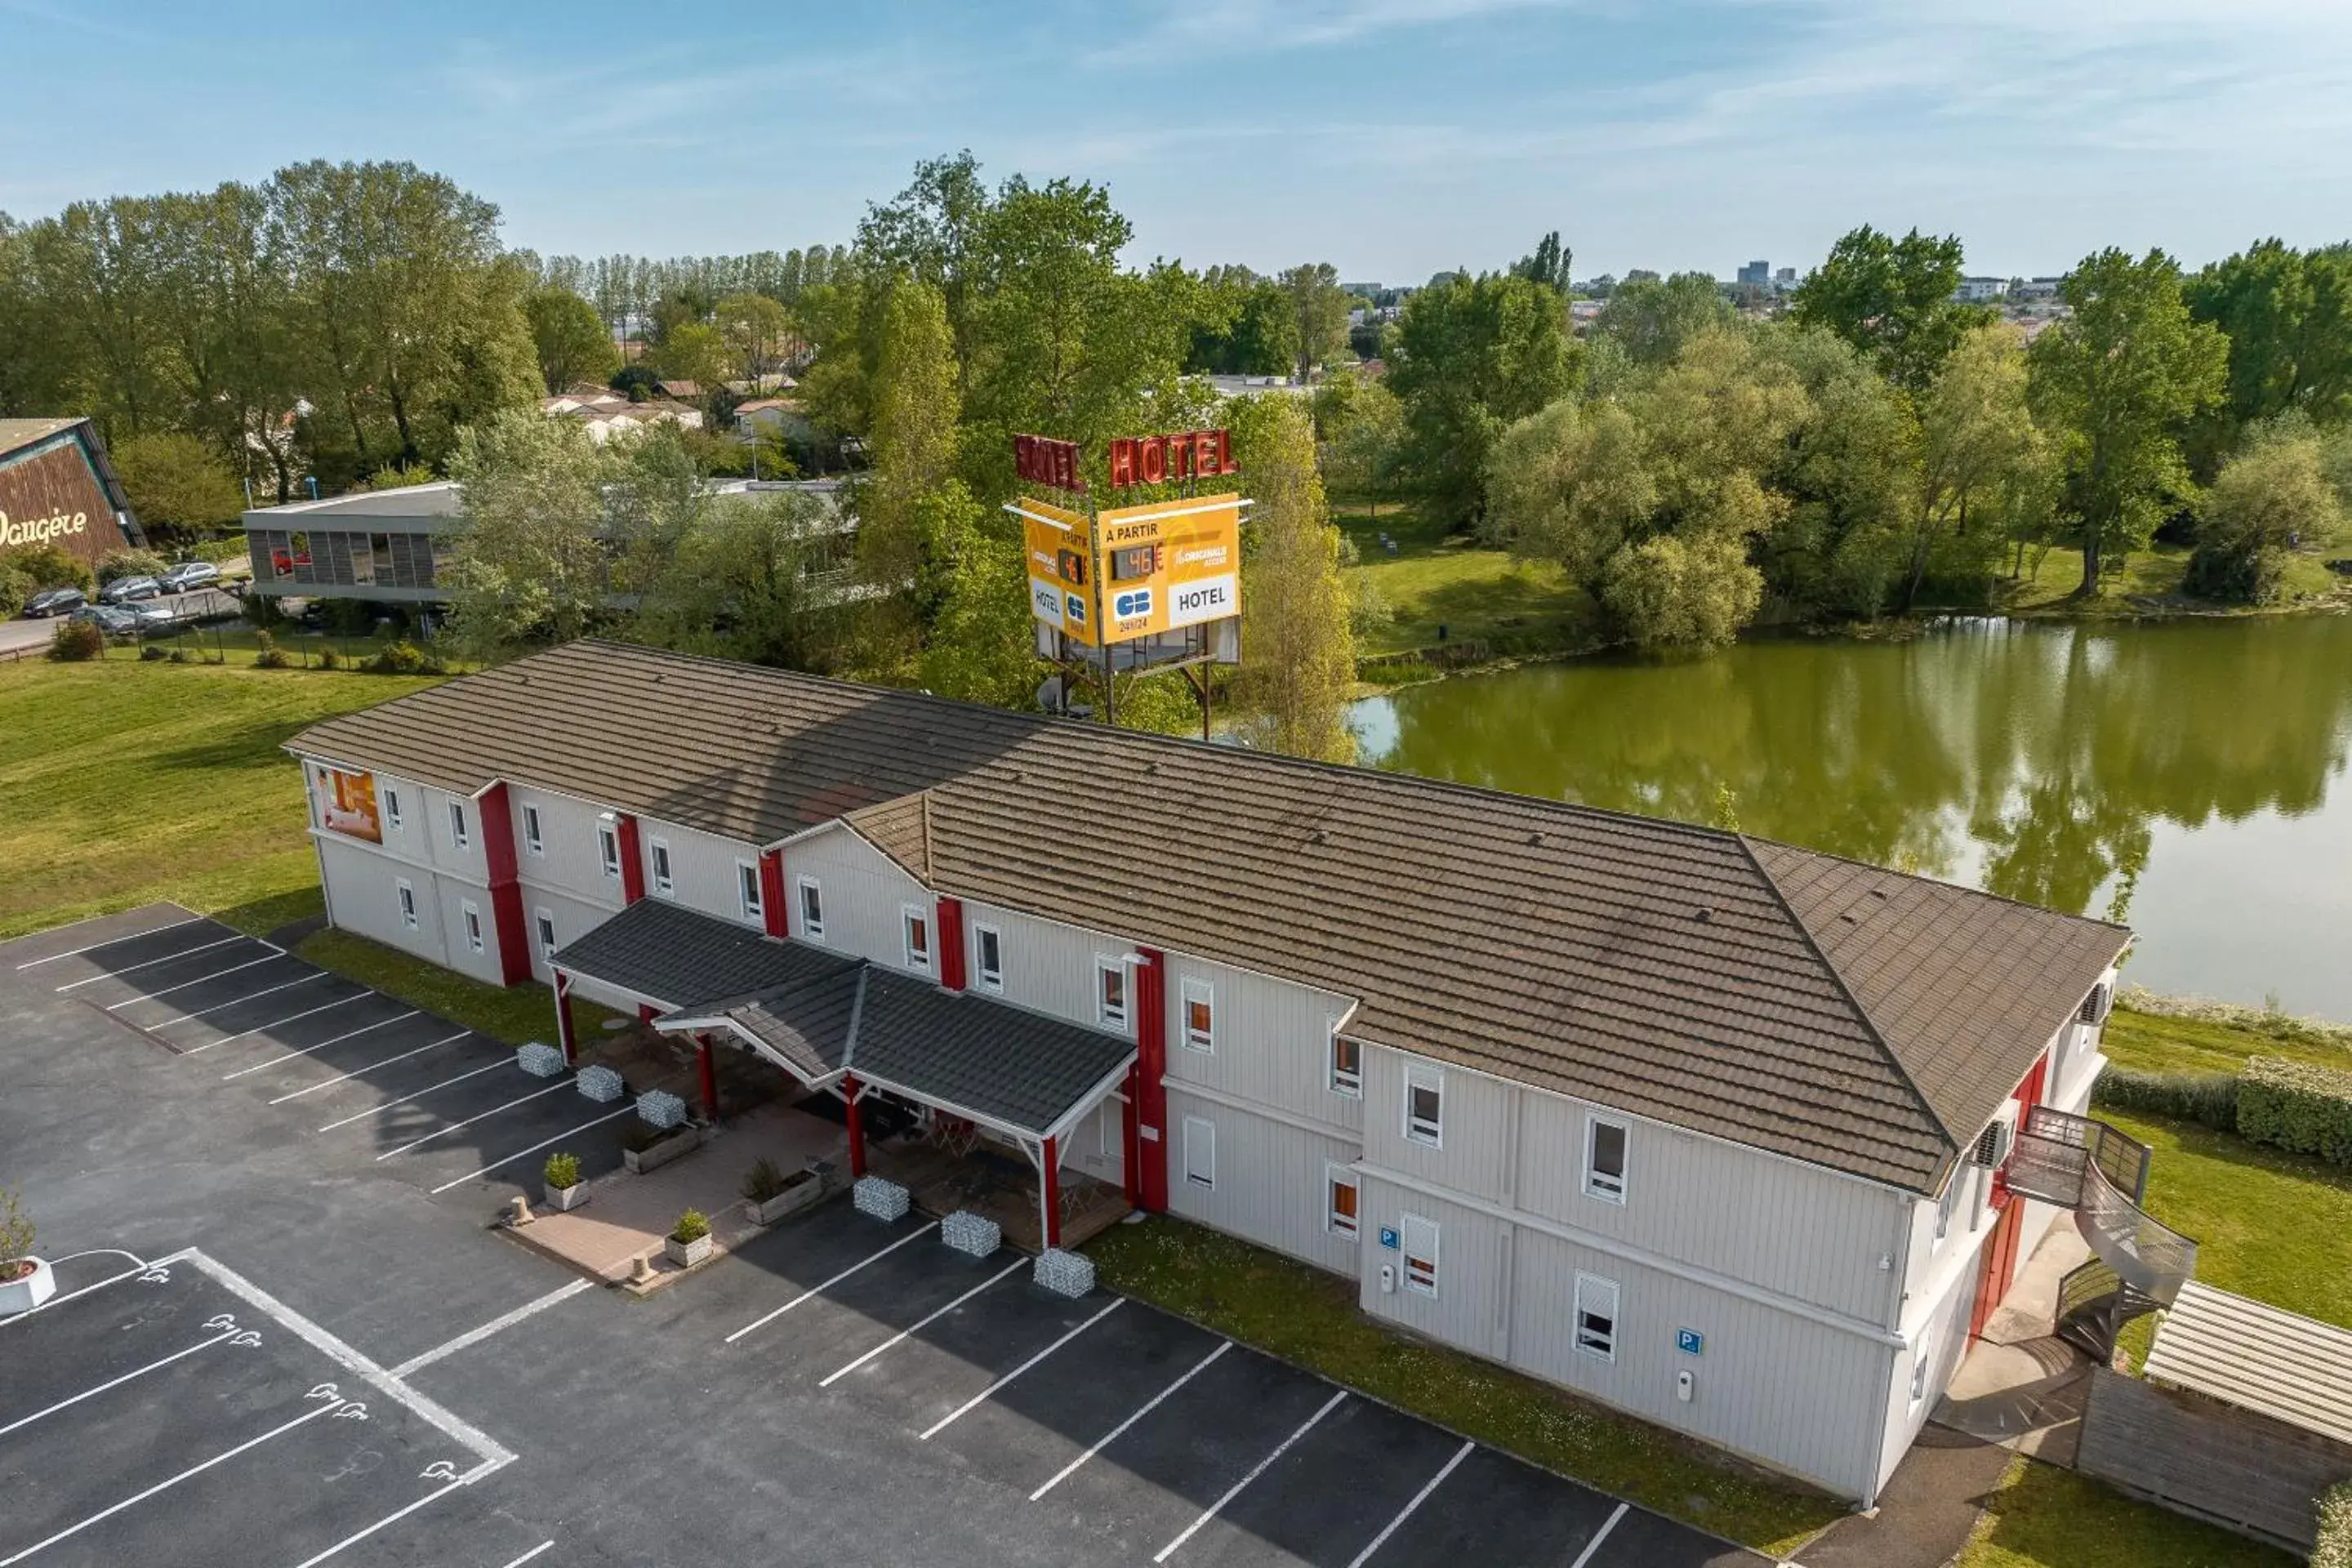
pixel 22 1295
pixel 563 1200
pixel 686 1254
pixel 791 1201
pixel 655 1156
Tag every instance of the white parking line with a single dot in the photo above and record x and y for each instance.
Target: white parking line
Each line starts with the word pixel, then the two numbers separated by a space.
pixel 927 1317
pixel 290 1018
pixel 322 1045
pixel 485 1115
pixel 1066 1471
pixel 362 1072
pixel 183 985
pixel 519 1561
pixel 170 958
pixel 1583 1557
pixel 496 1325
pixel 249 996
pixel 435 1495
pixel 109 941
pixel 510 1159
pixel 949 1419
pixel 55 1301
pixel 117 1383
pixel 404 1099
pixel 766 1318
pixel 328 1408
pixel 1418 1499
pixel 1165 1552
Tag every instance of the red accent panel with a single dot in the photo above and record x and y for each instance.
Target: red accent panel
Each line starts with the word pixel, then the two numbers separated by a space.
pixel 647 1012
pixel 772 913
pixel 950 935
pixel 1150 1099
pixel 566 1032
pixel 1997 1268
pixel 506 889
pixel 1053 1191
pixel 632 860
pixel 856 1129
pixel 709 1077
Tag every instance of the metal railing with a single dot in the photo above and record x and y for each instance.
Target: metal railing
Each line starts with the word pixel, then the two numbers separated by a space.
pixel 2087 1166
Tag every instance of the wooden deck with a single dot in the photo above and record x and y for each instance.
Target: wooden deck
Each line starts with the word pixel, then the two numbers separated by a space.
pixel 998 1184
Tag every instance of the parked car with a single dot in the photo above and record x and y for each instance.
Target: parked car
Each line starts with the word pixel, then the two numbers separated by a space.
pixel 123 590
pixel 189 574
pixel 151 617
pixel 111 619
pixel 55 602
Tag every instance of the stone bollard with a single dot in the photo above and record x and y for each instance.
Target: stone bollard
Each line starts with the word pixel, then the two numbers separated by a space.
pixel 519 1214
pixel 641 1271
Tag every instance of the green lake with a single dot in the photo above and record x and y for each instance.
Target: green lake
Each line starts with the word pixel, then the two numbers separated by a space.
pixel 2187 777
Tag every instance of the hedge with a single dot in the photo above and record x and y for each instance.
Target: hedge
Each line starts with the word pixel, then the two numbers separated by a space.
pixel 2335 1547
pixel 2298 1106
pixel 2209 1097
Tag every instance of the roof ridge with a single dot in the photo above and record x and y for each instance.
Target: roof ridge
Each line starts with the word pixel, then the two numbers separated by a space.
pixel 1942 886
pixel 1877 1036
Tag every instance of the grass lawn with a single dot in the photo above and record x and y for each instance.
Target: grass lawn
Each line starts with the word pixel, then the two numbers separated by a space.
pixel 2152 574
pixel 1309 1318
pixel 513 1014
pixel 2154 1043
pixel 1479 595
pixel 2048 1518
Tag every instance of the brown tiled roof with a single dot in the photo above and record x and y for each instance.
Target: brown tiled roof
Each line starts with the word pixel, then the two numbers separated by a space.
pixel 1671 971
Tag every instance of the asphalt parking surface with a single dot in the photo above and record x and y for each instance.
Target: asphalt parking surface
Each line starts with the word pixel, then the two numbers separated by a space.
pixel 312 1170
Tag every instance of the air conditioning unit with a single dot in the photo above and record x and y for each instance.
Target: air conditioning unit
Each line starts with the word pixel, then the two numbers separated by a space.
pixel 2094 1006
pixel 1997 1140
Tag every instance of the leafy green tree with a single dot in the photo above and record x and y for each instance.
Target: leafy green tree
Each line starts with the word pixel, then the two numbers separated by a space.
pixel 981 645
pixel 1651 318
pixel 757 329
pixel 96 274
pixel 1985 469
pixel 1318 307
pixel 2269 498
pixel 2288 315
pixel 694 351
pixel 746 582
pixel 1298 659
pixel 1892 299
pixel 1548 266
pixel 1851 476
pixel 2116 383
pixel 1472 355
pixel 1242 325
pixel 1365 444
pixel 912 447
pixel 531 564
pixel 572 340
pixel 176 483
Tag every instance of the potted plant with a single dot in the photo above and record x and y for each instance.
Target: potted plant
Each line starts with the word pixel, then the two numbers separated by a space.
pixel 646 1147
pixel 24 1280
pixel 768 1195
pixel 562 1175
pixel 689 1241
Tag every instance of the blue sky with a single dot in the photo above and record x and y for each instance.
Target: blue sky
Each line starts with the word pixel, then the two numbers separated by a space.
pixel 1392 137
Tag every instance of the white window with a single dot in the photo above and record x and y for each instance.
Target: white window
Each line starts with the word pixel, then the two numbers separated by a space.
pixel 1110 1130
pixel 1110 992
pixel 457 824
pixel 1200 1151
pixel 473 924
pixel 1596 1316
pixel 812 910
pixel 1604 1159
pixel 987 949
pixel 1923 1364
pixel 1200 1017
pixel 391 806
pixel 747 887
pixel 546 923
pixel 664 883
pixel 1347 1065
pixel 1949 1203
pixel 1420 1238
pixel 531 835
pixel 1339 1201
pixel 915 935
pixel 407 903
pixel 608 849
pixel 1425 1095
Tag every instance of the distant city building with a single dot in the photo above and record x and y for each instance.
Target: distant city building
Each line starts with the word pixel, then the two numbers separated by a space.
pixel 2035 288
pixel 1758 273
pixel 1980 290
pixel 1785 279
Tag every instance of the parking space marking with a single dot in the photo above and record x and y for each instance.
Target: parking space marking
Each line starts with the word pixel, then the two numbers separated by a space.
pixel 290 1018
pixel 362 1072
pixel 249 996
pixel 1165 1552
pixel 225 1334
pixel 1583 1557
pixel 404 1099
pixel 485 1115
pixel 109 941
pixel 496 1325
pixel 510 1159
pixel 1419 1498
pixel 435 1495
pixel 527 1556
pixel 329 1407
pixel 944 1422
pixel 183 985
pixel 1113 1436
pixel 322 1045
pixel 820 1289
pixel 55 1301
pixel 170 958
pixel 831 1378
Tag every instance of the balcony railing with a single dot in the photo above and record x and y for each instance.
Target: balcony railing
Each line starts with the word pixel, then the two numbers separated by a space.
pixel 2087 1166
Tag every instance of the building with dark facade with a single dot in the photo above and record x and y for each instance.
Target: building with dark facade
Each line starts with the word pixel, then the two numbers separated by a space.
pixel 57 488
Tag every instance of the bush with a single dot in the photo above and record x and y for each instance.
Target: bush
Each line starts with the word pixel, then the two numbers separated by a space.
pixel 118 565
pixel 764 1181
pixel 2209 1099
pixel 266 654
pixel 153 653
pixel 562 1170
pixel 179 656
pixel 50 567
pixel 16 1233
pixel 16 587
pixel 2334 1548
pixel 75 641
pixel 402 658
pixel 329 658
pixel 692 1225
pixel 2298 1106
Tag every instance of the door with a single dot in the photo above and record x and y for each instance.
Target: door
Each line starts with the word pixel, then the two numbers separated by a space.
pixel 1997 1268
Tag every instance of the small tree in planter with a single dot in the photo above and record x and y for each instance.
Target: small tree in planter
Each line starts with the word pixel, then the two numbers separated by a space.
pixel 768 1195
pixel 24 1280
pixel 562 1176
pixel 689 1241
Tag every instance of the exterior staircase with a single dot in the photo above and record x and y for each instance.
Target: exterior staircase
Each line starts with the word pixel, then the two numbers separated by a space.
pixel 2139 1263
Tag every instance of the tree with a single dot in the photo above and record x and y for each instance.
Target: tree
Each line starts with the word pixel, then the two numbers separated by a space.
pixel 912 447
pixel 1319 307
pixel 1366 442
pixel 1473 356
pixel 2288 315
pixel 1651 318
pixel 741 584
pixel 2266 500
pixel 1298 659
pixel 531 563
pixel 982 645
pixel 694 351
pixel 1548 266
pixel 756 329
pixel 176 483
pixel 1892 299
pixel 2117 382
pixel 1984 467
pixel 573 343
pixel 1850 476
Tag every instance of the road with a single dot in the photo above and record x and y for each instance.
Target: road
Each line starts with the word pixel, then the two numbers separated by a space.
pixel 19 634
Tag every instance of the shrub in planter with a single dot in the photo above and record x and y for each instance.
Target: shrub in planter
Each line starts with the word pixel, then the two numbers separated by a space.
pixel 692 1224
pixel 76 641
pixel 689 1241
pixel 2334 1548
pixel 2298 1106
pixel 764 1181
pixel 266 654
pixel 562 1178
pixel 2209 1099
pixel 24 1280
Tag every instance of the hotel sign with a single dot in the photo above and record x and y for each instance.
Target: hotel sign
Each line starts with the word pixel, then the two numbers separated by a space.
pixel 1133 572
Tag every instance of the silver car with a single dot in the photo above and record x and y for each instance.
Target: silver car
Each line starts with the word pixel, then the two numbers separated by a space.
pixel 189 574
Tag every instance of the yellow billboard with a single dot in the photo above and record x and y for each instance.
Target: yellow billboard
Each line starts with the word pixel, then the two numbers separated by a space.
pixel 1137 571
pixel 1059 543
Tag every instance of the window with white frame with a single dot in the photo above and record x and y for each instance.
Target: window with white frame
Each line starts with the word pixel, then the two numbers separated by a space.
pixel 391 806
pixel 1200 1017
pixel 546 924
pixel 664 883
pixel 1339 1201
pixel 1596 1316
pixel 915 935
pixel 1419 1237
pixel 1605 1143
pixel 812 910
pixel 1949 1203
pixel 608 849
pixel 407 902
pixel 457 824
pixel 1347 1065
pixel 532 839
pixel 1424 1099
pixel 1110 992
pixel 747 889
pixel 473 917
pixel 1200 1151
pixel 1923 1364
pixel 988 957
pixel 1110 1130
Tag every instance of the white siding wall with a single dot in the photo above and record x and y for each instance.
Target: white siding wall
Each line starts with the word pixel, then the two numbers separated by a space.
pixel 1271 1043
pixel 483 966
pixel 438 833
pixel 702 868
pixel 362 885
pixel 1098 1145
pixel 1048 967
pixel 573 918
pixel 1472 1156
pixel 567 862
pixel 863 890
pixel 1270 1186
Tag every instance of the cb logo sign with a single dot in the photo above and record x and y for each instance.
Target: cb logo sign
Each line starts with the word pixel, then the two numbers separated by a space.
pixel 1133 603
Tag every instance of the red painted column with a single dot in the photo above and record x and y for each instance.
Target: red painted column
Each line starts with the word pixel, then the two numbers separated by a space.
pixel 856 1129
pixel 949 925
pixel 647 1012
pixel 632 860
pixel 1050 1191
pixel 708 1063
pixel 504 876
pixel 566 1032
pixel 774 911
pixel 1150 1099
